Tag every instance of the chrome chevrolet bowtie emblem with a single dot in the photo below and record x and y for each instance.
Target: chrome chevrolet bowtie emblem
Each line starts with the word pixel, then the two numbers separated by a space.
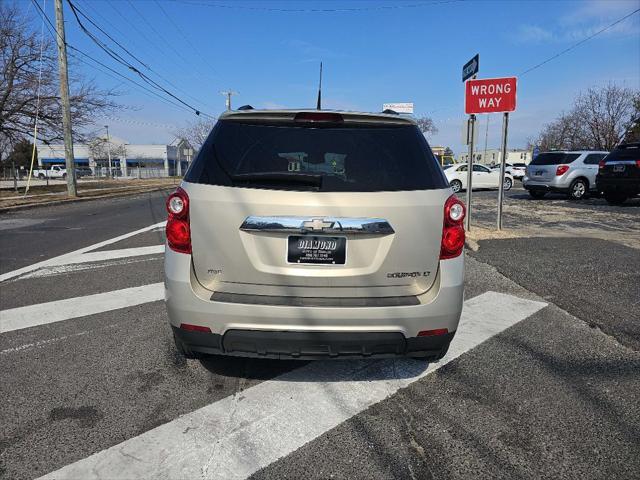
pixel 316 224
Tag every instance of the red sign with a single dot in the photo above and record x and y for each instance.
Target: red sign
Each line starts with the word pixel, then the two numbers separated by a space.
pixel 490 95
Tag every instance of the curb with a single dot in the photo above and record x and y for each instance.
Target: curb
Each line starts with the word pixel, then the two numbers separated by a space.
pixel 84 199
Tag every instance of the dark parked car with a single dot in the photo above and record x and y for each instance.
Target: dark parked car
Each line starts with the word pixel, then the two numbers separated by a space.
pixel 83 172
pixel 619 174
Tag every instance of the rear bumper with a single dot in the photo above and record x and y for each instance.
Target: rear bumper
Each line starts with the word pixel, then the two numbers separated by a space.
pixel 550 186
pixel 296 330
pixel 311 345
pixel 627 186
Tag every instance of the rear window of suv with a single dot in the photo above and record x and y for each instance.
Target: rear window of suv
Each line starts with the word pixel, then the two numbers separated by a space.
pixel 554 158
pixel 341 158
pixel 626 152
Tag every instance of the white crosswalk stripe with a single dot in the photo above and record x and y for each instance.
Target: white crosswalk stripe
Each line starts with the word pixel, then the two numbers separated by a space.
pixel 240 434
pixel 50 312
pixel 75 256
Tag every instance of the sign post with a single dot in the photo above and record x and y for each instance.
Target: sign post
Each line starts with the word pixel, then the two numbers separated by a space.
pixel 493 95
pixel 505 128
pixel 470 70
pixel 472 129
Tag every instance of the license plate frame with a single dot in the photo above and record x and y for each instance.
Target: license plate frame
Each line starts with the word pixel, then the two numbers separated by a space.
pixel 322 253
pixel 619 168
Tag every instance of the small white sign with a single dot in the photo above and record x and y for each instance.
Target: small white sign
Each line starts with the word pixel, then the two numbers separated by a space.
pixel 398 107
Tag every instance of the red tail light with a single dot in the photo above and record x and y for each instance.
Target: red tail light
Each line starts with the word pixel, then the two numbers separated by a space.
pixel 194 328
pixel 433 333
pixel 561 170
pixel 318 117
pixel 638 163
pixel 178 230
pixel 452 229
pixel 601 164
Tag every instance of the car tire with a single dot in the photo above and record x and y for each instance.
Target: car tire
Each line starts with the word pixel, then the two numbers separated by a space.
pixel 456 186
pixel 537 194
pixel 508 183
pixel 184 351
pixel 615 198
pixel 579 189
pixel 64 176
pixel 41 176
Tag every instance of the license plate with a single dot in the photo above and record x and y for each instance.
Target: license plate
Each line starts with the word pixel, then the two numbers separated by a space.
pixel 312 250
pixel 539 173
pixel 618 168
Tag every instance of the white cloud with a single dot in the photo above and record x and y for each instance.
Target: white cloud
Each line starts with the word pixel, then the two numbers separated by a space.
pixel 589 18
pixel 533 34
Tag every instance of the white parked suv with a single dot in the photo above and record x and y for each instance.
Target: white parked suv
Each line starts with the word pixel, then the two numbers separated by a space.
pixel 314 234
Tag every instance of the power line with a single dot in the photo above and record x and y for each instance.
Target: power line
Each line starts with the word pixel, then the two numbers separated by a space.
pixel 118 58
pixel 579 43
pixel 319 10
pixel 136 58
pixel 53 32
pixel 184 36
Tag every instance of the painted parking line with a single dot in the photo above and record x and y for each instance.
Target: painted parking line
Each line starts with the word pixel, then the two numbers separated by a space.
pixel 57 311
pixel 240 434
pixel 71 256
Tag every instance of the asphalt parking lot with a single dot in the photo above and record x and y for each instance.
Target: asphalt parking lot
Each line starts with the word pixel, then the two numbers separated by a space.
pixel 541 381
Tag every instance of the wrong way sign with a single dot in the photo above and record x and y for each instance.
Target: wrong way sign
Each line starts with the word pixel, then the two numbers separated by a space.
pixel 490 95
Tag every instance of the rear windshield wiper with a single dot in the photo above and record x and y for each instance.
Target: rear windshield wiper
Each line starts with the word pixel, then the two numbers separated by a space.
pixel 312 180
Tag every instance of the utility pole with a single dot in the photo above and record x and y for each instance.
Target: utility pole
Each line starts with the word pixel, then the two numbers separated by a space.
pixel 109 151
pixel 228 94
pixel 64 98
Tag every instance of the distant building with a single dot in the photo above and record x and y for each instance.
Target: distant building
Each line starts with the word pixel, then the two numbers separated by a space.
pixel 440 153
pixel 494 156
pixel 127 159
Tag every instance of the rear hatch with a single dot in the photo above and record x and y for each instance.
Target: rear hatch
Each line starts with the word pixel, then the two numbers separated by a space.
pixel 348 206
pixel 543 167
pixel 623 163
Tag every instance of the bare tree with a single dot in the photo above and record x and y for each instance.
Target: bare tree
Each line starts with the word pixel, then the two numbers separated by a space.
pixel 100 148
pixel 426 126
pixel 22 72
pixel 196 132
pixel 597 121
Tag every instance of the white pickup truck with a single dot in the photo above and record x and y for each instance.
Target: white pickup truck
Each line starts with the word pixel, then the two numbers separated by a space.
pixel 56 171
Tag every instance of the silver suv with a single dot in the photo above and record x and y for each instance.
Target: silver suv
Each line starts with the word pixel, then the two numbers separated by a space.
pixel 314 234
pixel 570 172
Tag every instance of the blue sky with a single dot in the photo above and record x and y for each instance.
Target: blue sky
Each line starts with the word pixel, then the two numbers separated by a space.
pixel 413 52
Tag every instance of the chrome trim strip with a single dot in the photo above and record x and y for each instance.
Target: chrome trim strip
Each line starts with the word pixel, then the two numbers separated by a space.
pixel 370 226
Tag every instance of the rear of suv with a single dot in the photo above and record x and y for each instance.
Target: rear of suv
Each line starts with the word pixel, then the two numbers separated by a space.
pixel 619 174
pixel 314 234
pixel 570 172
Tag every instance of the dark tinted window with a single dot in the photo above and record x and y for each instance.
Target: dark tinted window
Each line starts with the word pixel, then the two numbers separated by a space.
pixel 480 168
pixel 627 152
pixel 347 158
pixel 594 158
pixel 554 158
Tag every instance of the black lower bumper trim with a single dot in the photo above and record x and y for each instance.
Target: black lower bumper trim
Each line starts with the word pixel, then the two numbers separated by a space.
pixel 312 345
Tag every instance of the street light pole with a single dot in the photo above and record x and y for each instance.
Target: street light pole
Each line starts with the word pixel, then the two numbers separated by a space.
pixel 109 151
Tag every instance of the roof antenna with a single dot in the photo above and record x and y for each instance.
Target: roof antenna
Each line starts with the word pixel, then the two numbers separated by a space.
pixel 319 106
